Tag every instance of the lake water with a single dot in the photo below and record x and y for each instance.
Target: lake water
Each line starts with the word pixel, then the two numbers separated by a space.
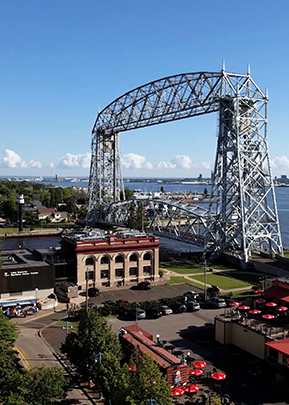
pixel 282 198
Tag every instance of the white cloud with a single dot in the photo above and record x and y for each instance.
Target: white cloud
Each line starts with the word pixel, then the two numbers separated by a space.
pixel 182 162
pixel 280 163
pixel 69 160
pixel 166 165
pixel 206 165
pixel 12 160
pixel 32 163
pixel 149 165
pixel 132 161
pixel 51 165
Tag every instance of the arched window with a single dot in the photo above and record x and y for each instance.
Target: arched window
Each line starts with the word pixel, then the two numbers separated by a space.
pixel 104 260
pixel 89 261
pixel 119 259
pixel 133 258
pixel 147 256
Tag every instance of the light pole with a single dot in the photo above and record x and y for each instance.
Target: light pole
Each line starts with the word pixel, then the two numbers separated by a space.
pixel 97 359
pixel 67 325
pixel 20 202
pixel 205 279
pixel 86 291
pixel 36 289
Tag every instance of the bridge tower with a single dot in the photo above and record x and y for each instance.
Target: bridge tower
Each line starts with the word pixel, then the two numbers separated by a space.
pixel 243 199
pixel 106 182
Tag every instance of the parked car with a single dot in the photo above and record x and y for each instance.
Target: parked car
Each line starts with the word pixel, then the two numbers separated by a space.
pixel 217 302
pixel 144 285
pixel 213 290
pixel 109 302
pixel 179 307
pixel 192 306
pixel 93 292
pixel 165 310
pixel 122 301
pixel 137 313
pixel 192 294
pixel 154 313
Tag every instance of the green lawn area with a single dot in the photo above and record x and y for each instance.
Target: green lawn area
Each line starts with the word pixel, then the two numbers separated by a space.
pixel 180 280
pixel 62 324
pixel 226 283
pixel 184 270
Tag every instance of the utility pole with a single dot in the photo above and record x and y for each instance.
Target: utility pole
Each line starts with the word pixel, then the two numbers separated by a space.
pixel 86 291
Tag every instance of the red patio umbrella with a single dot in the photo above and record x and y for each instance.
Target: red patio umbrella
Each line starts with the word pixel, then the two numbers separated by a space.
pixel 255 312
pixel 196 371
pixel 192 388
pixel 234 304
pixel 260 301
pixel 268 316
pixel 199 364
pixel 271 304
pixel 258 291
pixel 281 309
pixel 177 391
pixel 218 376
pixel 244 307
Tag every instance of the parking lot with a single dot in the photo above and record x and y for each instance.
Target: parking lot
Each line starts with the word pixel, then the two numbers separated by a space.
pixel 136 295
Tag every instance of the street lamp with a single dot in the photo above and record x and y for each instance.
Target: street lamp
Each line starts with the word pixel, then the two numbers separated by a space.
pixel 67 325
pixel 36 289
pixel 158 339
pixel 20 202
pixel 97 359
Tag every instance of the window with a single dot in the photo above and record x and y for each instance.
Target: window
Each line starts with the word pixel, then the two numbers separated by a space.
pixel 104 273
pixel 89 261
pixel 118 272
pixel 146 269
pixel 133 258
pixel 90 275
pixel 147 256
pixel 119 259
pixel 133 271
pixel 104 260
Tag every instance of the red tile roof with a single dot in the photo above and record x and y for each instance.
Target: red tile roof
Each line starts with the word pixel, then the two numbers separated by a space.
pixel 278 293
pixel 281 346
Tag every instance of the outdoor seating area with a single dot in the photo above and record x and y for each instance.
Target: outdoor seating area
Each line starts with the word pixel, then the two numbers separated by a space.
pixel 267 316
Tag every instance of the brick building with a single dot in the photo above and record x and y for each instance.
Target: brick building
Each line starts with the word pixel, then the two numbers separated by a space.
pixel 123 257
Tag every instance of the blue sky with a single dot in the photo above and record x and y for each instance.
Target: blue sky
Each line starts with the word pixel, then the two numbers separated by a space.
pixel 64 60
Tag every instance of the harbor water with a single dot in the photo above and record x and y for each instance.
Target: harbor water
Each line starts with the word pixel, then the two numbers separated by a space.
pixel 282 198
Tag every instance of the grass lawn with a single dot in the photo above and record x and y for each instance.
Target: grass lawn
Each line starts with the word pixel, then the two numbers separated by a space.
pixel 62 324
pixel 180 280
pixel 184 270
pixel 226 283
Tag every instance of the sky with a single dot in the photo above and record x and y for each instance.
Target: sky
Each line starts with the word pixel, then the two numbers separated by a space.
pixel 63 61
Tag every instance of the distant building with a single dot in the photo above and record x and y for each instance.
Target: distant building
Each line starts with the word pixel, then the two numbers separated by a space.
pixel 109 259
pixel 200 178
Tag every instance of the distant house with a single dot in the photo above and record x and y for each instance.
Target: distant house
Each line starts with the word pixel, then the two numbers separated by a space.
pixel 50 214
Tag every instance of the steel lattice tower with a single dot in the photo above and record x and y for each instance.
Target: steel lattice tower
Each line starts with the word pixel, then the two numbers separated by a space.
pixel 243 213
pixel 242 182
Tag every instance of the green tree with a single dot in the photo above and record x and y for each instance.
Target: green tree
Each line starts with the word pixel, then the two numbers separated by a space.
pixel 30 218
pixel 205 191
pixel 38 386
pixel 94 337
pixel 128 194
pixel 147 381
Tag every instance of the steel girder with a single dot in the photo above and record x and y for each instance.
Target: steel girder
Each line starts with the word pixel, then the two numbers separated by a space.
pixel 172 218
pixel 242 176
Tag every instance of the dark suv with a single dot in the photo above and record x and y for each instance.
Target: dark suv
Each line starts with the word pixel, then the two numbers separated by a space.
pixel 144 285
pixel 93 292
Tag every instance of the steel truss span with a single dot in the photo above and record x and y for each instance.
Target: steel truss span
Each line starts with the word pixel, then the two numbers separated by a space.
pixel 168 217
pixel 243 214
